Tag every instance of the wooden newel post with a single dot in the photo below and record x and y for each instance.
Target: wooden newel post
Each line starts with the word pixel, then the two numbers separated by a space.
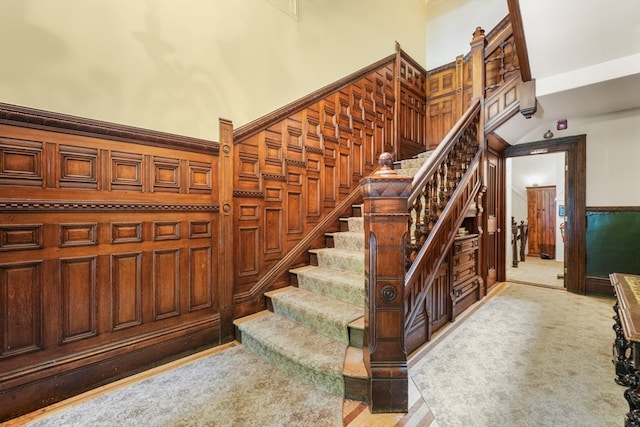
pixel 385 222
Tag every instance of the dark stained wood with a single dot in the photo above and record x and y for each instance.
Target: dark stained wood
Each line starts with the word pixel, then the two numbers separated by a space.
pixel 244 132
pixel 385 217
pixel 495 251
pixel 294 167
pixel 520 41
pixel 437 216
pixel 495 146
pixel 108 256
pixel 575 201
pixel 466 283
pixel 626 346
pixel 46 120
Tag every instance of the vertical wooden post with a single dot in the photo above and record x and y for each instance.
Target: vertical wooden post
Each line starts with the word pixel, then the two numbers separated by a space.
pixel 385 217
pixel 225 230
pixel 478 44
pixel 396 105
pixel 477 57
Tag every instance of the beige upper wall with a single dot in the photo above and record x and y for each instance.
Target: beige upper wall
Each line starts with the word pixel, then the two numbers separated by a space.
pixel 451 23
pixel 177 66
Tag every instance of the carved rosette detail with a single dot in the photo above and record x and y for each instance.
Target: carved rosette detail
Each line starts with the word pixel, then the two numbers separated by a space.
pixel 388 293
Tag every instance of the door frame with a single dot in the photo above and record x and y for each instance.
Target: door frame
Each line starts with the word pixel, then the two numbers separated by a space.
pixel 575 149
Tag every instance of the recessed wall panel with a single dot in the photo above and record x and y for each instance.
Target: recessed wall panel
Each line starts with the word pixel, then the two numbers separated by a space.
pixel 200 282
pixel 21 304
pixel 166 283
pixel 79 303
pixel 126 290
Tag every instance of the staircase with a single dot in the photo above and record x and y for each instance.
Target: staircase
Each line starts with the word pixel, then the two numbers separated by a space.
pixel 314 329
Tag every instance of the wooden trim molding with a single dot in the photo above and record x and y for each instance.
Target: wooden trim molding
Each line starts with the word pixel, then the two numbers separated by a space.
pixel 243 132
pixel 575 148
pixel 82 206
pixel 521 43
pixel 39 119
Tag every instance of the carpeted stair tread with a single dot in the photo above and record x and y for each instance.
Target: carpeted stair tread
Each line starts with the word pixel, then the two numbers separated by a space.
pixel 356 224
pixel 301 352
pixel 340 259
pixel 325 315
pixel 345 286
pixel 352 240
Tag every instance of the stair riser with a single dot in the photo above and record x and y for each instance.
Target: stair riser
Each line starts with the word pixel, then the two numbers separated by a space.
pixel 324 286
pixel 332 384
pixel 348 241
pixel 329 260
pixel 332 329
pixel 356 337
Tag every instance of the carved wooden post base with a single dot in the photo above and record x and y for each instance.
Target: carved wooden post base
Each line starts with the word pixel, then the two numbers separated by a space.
pixel 386 217
pixel 632 419
pixel 632 394
pixel 621 352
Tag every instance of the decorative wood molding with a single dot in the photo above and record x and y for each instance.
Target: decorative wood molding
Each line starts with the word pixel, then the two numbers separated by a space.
pixel 74 205
pixel 39 119
pixel 575 200
pixel 521 43
pixel 613 209
pixel 243 132
pixel 500 26
pixel 250 194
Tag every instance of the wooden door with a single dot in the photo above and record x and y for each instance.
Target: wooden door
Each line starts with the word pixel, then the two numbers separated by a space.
pixel 541 215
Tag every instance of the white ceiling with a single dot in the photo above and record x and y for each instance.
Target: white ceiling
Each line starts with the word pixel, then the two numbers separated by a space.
pixel 585 58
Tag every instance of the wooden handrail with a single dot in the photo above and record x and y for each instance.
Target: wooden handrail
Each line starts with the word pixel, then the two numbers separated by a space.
pixel 243 132
pixel 422 254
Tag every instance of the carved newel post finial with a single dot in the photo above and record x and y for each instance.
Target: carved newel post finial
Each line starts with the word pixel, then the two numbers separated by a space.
pixel 386 164
pixel 478 33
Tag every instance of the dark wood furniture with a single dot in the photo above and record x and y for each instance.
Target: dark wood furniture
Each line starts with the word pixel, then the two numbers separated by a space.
pixel 465 278
pixel 626 346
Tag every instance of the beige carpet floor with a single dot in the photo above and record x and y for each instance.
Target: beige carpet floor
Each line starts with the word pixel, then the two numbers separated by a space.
pixel 530 356
pixel 233 388
pixel 537 270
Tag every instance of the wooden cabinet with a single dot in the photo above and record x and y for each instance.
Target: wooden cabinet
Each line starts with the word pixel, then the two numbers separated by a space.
pixel 541 215
pixel 465 278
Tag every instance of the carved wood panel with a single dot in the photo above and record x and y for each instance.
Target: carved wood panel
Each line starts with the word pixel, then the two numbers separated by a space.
pixel 295 170
pixel 106 247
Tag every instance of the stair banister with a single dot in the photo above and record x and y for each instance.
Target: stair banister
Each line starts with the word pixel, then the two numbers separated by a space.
pixel 435 226
pixel 428 168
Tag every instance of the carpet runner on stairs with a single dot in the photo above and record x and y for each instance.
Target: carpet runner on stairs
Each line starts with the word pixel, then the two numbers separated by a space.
pixel 311 325
pixel 314 330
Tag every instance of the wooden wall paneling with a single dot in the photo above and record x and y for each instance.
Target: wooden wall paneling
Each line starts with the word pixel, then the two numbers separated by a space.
pixel 224 226
pixel 22 306
pixel 201 269
pixel 79 167
pixel 125 290
pixel 22 162
pixel 411 106
pixel 79 297
pixel 296 165
pixel 166 283
pixel 314 188
pixel 94 263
